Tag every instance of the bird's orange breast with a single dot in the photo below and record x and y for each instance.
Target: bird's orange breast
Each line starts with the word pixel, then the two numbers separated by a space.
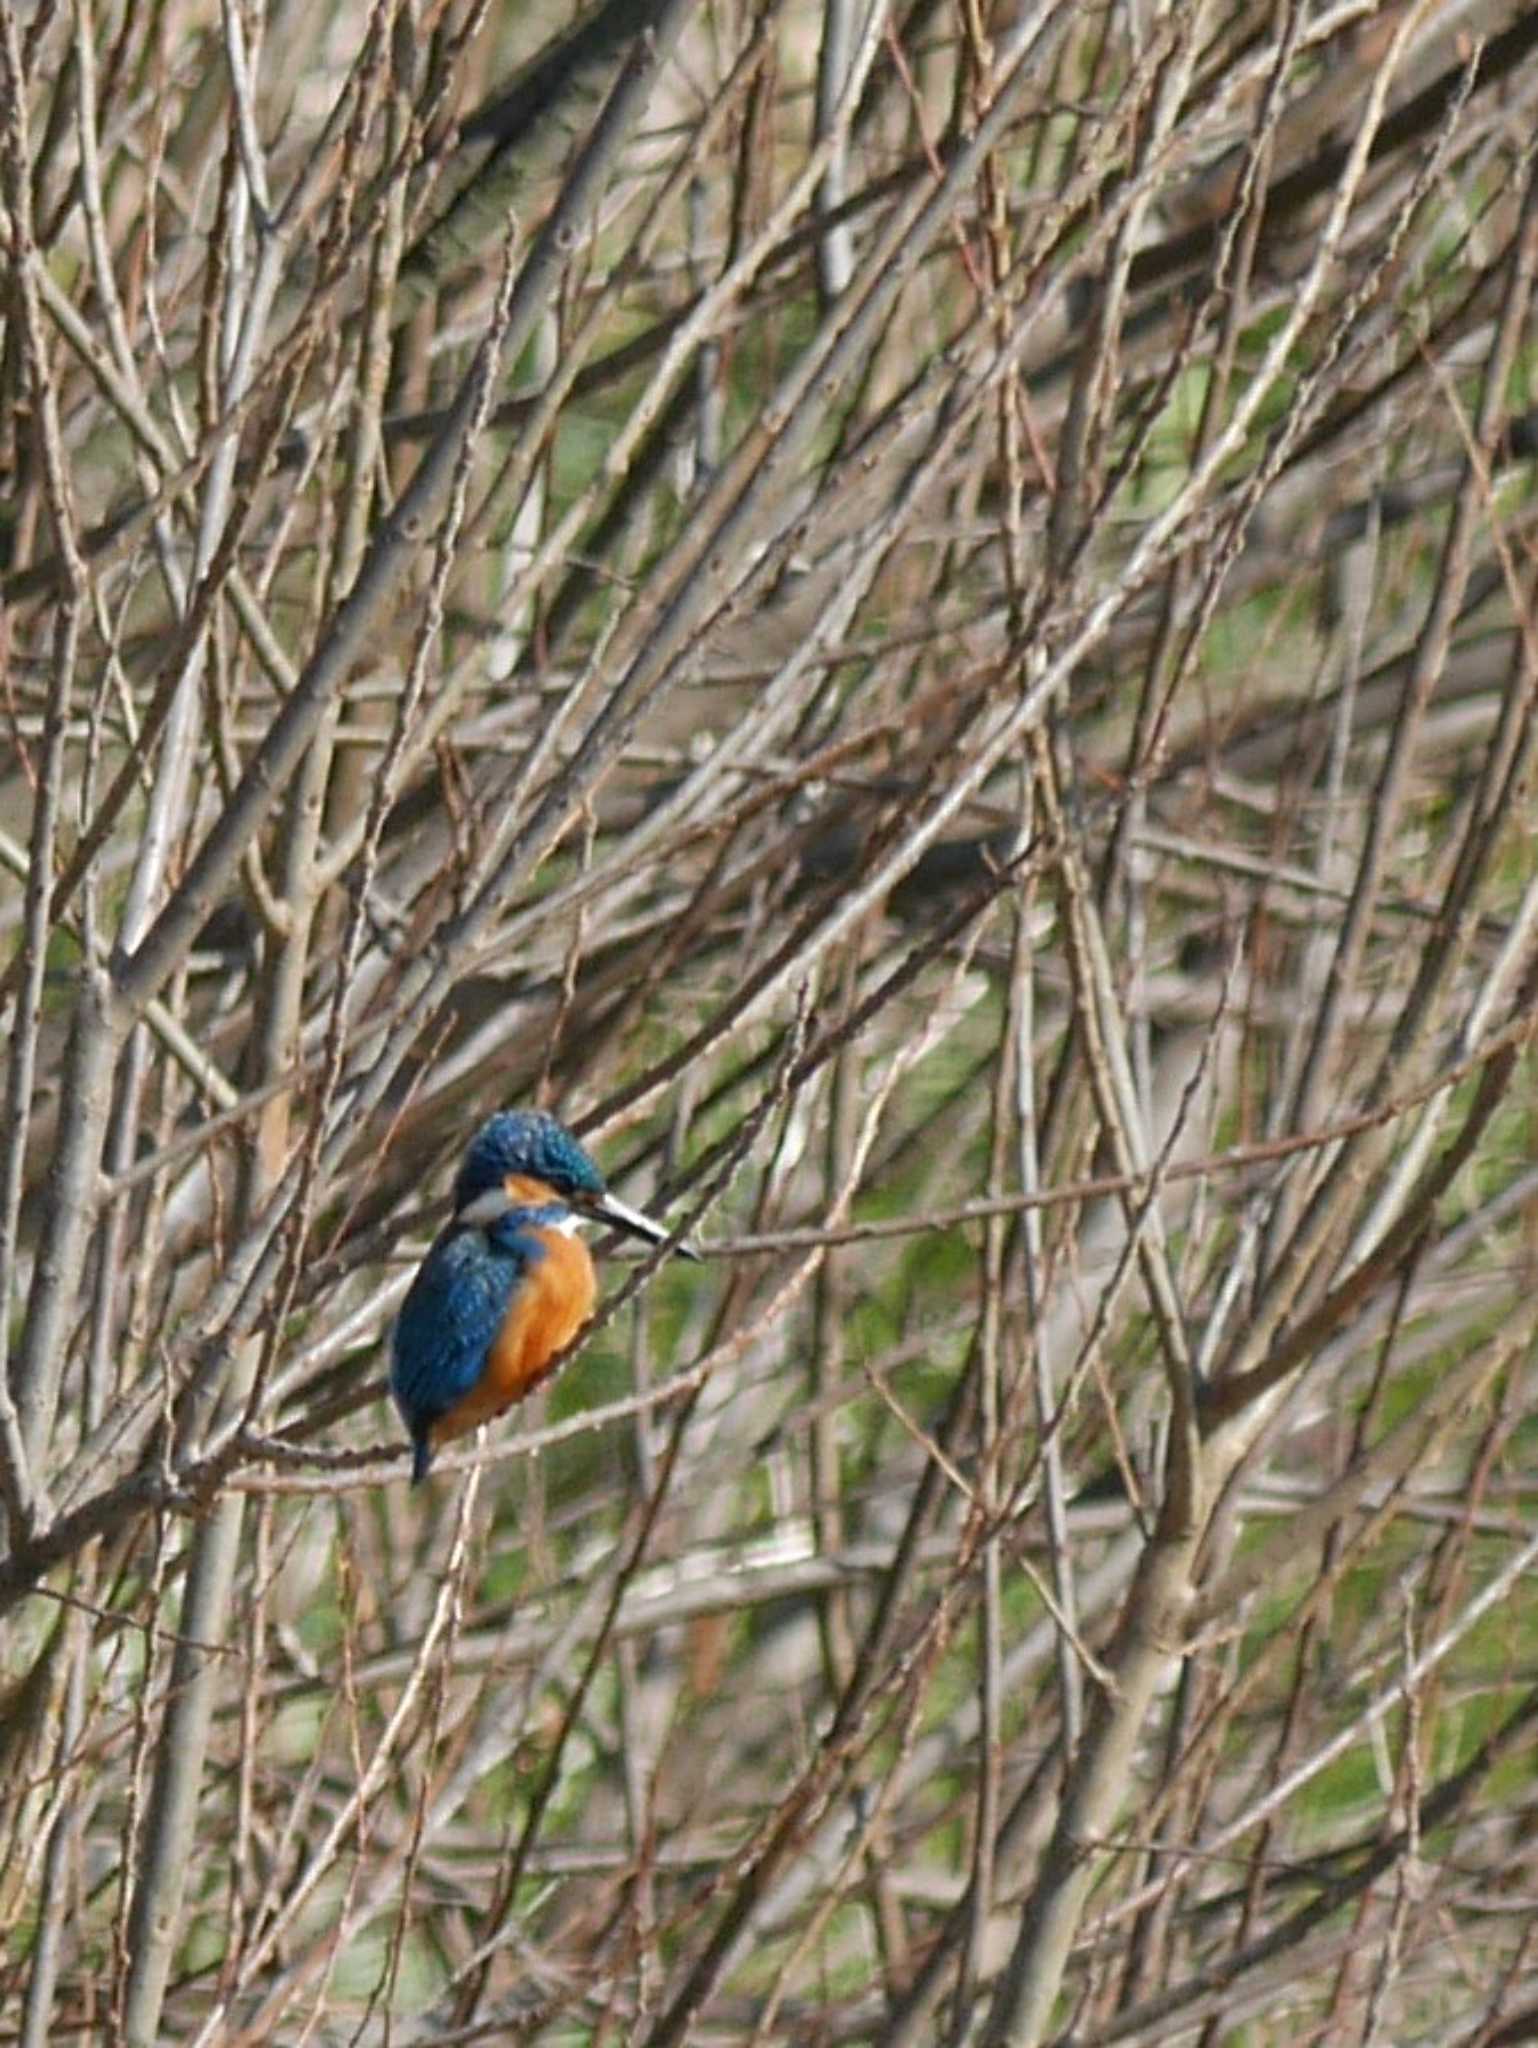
pixel 552 1301
pixel 547 1311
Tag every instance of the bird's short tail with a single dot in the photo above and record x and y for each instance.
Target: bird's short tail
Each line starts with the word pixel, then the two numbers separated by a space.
pixel 421 1457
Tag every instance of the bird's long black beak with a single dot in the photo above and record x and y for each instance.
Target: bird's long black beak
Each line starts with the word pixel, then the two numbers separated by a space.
pixel 610 1209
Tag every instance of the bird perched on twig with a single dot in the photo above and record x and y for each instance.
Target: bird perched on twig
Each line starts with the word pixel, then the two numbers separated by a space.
pixel 508 1283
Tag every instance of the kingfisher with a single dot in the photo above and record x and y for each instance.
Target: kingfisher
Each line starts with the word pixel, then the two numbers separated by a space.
pixel 507 1284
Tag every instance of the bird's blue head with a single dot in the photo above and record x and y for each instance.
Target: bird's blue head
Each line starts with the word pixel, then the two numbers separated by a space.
pixel 529 1143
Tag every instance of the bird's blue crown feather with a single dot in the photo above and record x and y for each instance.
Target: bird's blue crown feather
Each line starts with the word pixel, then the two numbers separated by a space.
pixel 529 1142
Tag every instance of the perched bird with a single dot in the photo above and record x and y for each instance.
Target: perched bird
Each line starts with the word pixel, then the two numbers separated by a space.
pixel 508 1283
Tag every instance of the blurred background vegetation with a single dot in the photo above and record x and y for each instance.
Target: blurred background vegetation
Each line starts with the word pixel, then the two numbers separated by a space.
pixel 920 618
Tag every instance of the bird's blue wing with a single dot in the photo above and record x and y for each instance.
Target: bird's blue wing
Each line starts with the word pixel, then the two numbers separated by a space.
pixel 447 1325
